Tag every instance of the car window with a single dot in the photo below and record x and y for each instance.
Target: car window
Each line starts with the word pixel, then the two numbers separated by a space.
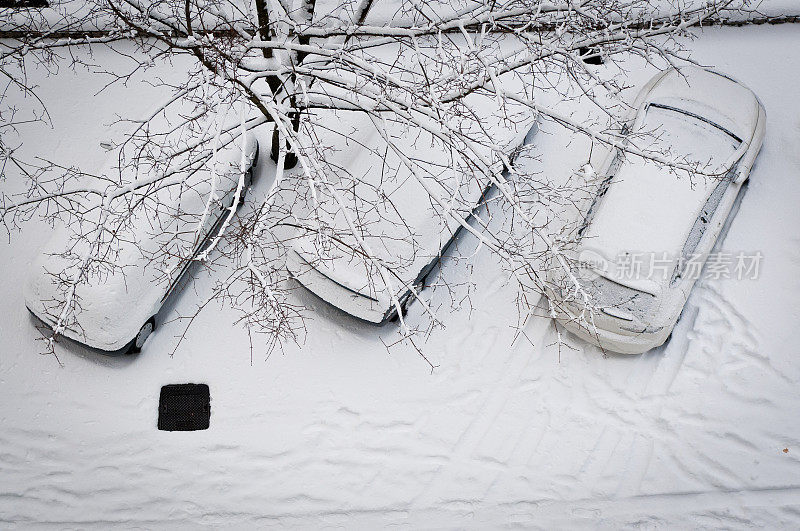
pixel 699 228
pixel 606 293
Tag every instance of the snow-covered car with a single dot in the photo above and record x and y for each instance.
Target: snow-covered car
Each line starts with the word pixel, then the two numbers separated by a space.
pixel 649 230
pixel 405 228
pixel 114 308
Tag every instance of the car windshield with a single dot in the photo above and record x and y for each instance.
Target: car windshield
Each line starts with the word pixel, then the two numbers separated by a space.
pixel 607 293
pixel 686 135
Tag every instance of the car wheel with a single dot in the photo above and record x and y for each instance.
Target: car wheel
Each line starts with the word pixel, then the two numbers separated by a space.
pixel 248 178
pixel 255 158
pixel 291 158
pixel 248 181
pixel 144 332
pixel 403 307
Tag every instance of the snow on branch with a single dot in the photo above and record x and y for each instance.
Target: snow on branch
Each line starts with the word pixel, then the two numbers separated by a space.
pixel 360 103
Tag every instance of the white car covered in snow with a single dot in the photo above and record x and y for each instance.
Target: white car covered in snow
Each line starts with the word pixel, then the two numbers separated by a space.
pixel 399 211
pixel 650 228
pixel 114 308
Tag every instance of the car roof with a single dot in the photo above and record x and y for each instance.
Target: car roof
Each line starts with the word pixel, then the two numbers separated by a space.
pixel 648 210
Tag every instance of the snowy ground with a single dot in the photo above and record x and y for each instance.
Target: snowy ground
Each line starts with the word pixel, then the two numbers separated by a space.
pixel 338 431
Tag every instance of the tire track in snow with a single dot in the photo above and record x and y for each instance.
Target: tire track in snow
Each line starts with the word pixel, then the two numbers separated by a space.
pixel 479 430
pixel 645 389
pixel 719 339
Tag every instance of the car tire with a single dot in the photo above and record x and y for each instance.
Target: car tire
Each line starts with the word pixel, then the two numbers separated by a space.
pixel 136 344
pixel 291 158
pixel 403 307
pixel 251 172
pixel 255 157
pixel 248 181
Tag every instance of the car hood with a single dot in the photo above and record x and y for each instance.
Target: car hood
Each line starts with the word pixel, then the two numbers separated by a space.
pixel 110 306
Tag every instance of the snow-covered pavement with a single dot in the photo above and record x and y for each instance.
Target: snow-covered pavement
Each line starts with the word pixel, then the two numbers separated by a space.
pixel 339 432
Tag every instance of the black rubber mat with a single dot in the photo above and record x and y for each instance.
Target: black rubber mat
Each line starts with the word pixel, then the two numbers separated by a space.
pixel 184 407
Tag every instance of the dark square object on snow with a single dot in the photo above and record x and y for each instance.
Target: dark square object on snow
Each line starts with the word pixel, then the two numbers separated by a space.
pixel 184 407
